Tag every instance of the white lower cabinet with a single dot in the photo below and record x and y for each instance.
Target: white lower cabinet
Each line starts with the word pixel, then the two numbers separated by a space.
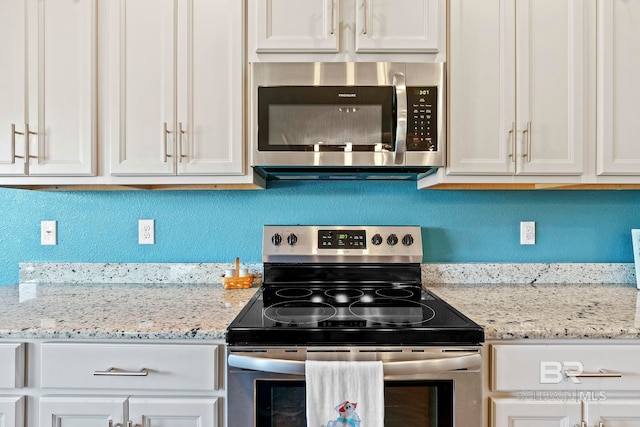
pixel 173 412
pixel 518 412
pixel 121 384
pixel 613 413
pixel 89 411
pixel 12 401
pixel 12 411
pixel 566 384
pixel 82 411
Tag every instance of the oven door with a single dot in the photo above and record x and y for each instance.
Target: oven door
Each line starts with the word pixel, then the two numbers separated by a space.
pixel 268 390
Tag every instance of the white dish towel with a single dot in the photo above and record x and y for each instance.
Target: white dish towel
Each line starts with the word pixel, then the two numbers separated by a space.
pixel 344 394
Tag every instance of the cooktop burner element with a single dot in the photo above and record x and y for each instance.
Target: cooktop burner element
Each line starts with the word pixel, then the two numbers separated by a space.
pixel 347 285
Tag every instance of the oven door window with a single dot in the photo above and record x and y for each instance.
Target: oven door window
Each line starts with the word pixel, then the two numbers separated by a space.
pixel 281 403
pixel 326 118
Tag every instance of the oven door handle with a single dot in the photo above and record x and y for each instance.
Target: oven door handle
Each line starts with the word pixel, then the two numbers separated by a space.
pixel 391 369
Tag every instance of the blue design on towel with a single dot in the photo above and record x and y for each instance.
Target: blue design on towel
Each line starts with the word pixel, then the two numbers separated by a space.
pixel 347 416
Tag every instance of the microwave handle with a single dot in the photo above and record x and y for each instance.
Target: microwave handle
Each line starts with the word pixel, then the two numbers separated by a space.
pixel 412 367
pixel 401 125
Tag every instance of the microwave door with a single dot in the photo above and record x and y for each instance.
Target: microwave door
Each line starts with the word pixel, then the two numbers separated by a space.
pixel 401 125
pixel 326 119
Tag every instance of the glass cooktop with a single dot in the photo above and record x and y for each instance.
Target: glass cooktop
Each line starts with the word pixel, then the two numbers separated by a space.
pixel 364 315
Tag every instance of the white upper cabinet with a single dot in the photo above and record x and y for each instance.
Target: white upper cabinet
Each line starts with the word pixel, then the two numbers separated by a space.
pixel 397 26
pixel 518 75
pixel 48 87
pixel 13 50
pixel 618 87
pixel 344 28
pixel 175 87
pixel 296 25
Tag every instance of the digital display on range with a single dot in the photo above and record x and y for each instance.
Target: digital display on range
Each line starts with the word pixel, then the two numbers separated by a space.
pixel 342 239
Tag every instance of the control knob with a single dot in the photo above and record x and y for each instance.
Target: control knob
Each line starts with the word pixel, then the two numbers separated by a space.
pixel 392 240
pixel 292 239
pixel 376 239
pixel 407 240
pixel 276 239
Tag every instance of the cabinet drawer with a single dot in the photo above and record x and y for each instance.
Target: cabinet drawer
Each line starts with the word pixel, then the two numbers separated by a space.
pixel 129 366
pixel 11 365
pixel 598 367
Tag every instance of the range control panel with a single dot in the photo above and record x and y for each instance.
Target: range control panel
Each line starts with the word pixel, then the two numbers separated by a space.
pixel 343 239
pixel 301 243
pixel 422 118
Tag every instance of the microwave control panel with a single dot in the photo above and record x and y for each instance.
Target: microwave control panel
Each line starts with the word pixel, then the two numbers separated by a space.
pixel 422 118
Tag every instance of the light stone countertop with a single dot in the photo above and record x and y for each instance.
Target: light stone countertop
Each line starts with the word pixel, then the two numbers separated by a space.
pixel 203 311
pixel 548 311
pixel 119 311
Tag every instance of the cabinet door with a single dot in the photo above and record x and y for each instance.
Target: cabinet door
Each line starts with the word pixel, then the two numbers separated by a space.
pixel 482 87
pixel 174 412
pixel 618 87
pixel 551 42
pixel 210 82
pixel 12 411
pixel 296 25
pixel 82 411
pixel 62 102
pixel 614 412
pixel 397 26
pixel 510 412
pixel 142 122
pixel 13 49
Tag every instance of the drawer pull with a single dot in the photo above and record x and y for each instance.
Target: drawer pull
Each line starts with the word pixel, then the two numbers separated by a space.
pixel 117 372
pixel 602 373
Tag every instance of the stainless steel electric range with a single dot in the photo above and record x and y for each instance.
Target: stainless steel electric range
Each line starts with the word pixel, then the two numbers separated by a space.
pixel 351 293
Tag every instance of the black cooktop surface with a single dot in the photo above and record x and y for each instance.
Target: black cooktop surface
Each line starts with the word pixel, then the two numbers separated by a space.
pixel 370 314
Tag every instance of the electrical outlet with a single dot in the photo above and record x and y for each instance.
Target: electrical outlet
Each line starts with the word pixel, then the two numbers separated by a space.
pixel 48 233
pixel 146 232
pixel 527 233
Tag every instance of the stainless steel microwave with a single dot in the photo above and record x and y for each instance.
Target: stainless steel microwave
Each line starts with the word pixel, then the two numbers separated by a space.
pixel 349 120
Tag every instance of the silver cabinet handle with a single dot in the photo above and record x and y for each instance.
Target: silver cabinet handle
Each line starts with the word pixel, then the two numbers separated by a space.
pixel 13 144
pixel 364 21
pixel 117 372
pixel 26 133
pixel 401 126
pixel 413 367
pixel 165 132
pixel 602 373
pixel 181 133
pixel 527 132
pixel 513 132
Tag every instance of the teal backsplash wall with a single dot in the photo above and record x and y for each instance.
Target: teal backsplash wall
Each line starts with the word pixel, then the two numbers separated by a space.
pixel 217 226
